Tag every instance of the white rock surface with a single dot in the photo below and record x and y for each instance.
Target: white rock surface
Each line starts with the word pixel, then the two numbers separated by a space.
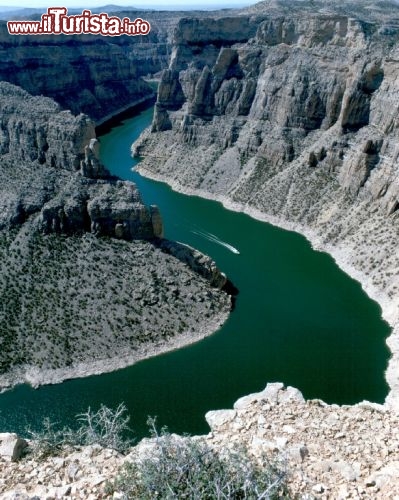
pixel 11 446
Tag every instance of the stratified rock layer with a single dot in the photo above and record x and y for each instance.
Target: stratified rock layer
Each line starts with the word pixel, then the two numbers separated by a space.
pixel 85 276
pixel 297 125
pixel 97 75
pixel 82 73
pixel 60 174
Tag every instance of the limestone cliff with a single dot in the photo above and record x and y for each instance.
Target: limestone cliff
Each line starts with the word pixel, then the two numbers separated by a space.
pixel 83 75
pixel 295 121
pixel 60 173
pixel 99 76
pixel 36 153
pixel 85 276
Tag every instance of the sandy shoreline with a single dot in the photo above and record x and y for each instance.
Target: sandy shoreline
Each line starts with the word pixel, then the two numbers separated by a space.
pixel 339 254
pixel 37 377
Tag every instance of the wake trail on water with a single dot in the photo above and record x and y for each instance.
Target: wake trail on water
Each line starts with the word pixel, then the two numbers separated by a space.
pixel 215 239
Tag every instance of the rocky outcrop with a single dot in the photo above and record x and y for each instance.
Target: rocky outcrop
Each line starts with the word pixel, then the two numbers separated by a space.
pixel 38 134
pixel 12 447
pixel 116 210
pixel 40 146
pixel 327 451
pixel 106 208
pixel 82 73
pixel 298 125
pixel 330 451
pixel 35 129
pixel 199 40
pixel 76 244
pixel 91 166
pixel 196 260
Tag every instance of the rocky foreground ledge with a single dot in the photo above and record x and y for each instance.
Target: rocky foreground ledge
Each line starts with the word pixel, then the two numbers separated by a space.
pixel 332 452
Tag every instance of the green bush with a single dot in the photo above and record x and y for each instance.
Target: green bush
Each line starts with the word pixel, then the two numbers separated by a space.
pixel 187 468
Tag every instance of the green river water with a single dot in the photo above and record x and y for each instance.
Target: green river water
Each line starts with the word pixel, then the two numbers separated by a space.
pixel 298 319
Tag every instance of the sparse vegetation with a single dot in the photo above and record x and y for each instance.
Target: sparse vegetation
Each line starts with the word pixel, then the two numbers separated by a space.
pixel 83 297
pixel 105 427
pixel 188 468
pixel 171 466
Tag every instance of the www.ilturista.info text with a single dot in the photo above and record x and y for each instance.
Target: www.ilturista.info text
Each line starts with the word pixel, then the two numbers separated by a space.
pixel 57 22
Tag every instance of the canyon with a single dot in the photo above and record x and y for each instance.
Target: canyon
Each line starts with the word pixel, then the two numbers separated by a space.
pixel 290 111
pixel 297 126
pixel 96 75
pixel 86 276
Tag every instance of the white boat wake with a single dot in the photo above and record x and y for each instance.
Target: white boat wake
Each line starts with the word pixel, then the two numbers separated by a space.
pixel 215 239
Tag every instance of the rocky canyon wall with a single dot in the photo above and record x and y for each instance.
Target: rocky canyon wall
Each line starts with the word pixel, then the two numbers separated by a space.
pixel 85 276
pixel 96 75
pixel 293 120
pixel 50 163
pixel 83 74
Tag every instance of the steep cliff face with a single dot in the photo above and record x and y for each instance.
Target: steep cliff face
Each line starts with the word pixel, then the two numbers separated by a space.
pixel 60 173
pixel 96 75
pixel 296 95
pixel 40 145
pixel 83 74
pixel 35 129
pixel 85 276
pixel 297 125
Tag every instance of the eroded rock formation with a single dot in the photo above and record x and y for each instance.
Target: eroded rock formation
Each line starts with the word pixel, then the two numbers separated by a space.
pixel 84 276
pixel 295 123
pixel 96 75
pixel 38 134
pixel 82 74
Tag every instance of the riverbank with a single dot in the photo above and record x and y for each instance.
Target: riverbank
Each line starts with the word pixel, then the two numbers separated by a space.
pixel 389 306
pixel 136 300
pixel 107 122
pixel 37 377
